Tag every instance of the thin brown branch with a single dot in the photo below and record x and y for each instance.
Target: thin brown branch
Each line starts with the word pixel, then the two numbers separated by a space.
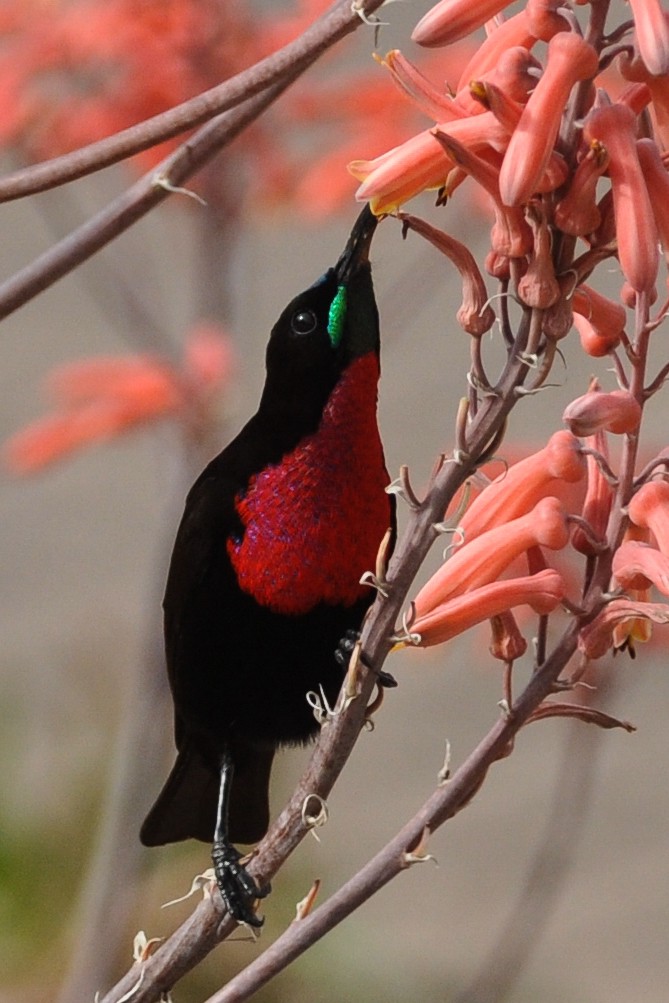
pixel 280 67
pixel 154 187
pixel 134 203
pixel 396 856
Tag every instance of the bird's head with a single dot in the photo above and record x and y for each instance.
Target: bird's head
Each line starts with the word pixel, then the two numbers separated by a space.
pixel 327 326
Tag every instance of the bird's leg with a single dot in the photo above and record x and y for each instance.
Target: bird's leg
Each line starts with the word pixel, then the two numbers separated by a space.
pixel 344 651
pixel 238 889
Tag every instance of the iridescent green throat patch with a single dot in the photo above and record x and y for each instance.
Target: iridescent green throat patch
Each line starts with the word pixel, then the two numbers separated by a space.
pixel 337 317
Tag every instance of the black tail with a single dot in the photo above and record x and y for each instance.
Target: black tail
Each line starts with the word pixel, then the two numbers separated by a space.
pixel 186 806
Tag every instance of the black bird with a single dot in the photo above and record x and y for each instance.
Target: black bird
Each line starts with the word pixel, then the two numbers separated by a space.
pixel 264 580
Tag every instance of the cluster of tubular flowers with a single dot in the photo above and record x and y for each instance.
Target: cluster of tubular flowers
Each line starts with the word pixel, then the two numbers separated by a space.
pixel 640 564
pixel 500 125
pixel 558 499
pixel 520 513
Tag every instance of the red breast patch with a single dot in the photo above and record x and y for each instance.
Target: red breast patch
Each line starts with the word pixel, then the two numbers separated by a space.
pixel 313 523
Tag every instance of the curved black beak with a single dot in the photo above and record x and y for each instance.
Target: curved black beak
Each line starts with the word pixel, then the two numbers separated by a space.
pixel 356 251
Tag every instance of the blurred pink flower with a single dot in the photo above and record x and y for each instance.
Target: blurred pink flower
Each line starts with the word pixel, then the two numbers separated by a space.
pixel 99 399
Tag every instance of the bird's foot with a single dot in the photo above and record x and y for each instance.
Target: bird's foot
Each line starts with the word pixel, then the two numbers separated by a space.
pixel 238 889
pixel 345 650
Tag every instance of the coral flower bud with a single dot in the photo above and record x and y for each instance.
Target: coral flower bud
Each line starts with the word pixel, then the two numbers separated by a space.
pixel 506 642
pixel 570 59
pixel 607 317
pixel 483 559
pixel 649 509
pixel 538 288
pixel 593 343
pixel 618 412
pixel 544 19
pixel 451 20
pixel 518 489
pixel 652 35
pixel 599 321
pixel 577 213
pixel 598 500
pixel 615 127
pixel 542 592
pixel 475 315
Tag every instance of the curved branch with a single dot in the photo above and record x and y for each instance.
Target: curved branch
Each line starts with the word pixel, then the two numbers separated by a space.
pixel 282 65
pixel 154 187
pixel 396 856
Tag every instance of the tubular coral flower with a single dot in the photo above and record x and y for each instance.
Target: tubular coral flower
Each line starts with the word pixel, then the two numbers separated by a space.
pixel 607 318
pixel 598 636
pixel 577 212
pixel 543 592
pixel 657 182
pixel 450 20
pixel 515 33
pixel 593 342
pixel 475 316
pixel 618 412
pixel 615 127
pixel 634 69
pixel 649 509
pixel 420 163
pixel 517 490
pixel 652 35
pixel 483 559
pixel 637 565
pixel 570 59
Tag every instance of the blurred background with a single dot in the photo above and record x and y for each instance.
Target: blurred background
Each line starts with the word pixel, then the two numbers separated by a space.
pixel 552 884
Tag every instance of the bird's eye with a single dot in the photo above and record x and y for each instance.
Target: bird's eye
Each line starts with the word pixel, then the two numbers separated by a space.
pixel 304 322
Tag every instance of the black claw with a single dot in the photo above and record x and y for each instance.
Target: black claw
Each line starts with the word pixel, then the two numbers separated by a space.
pixel 238 889
pixel 345 647
pixel 345 650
